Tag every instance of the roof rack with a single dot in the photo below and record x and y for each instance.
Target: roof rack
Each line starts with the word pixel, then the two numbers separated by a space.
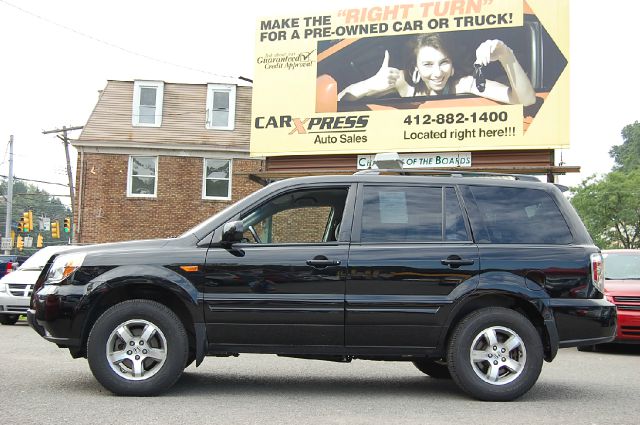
pixel 449 173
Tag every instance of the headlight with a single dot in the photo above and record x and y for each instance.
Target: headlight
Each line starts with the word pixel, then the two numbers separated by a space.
pixel 3 287
pixel 63 266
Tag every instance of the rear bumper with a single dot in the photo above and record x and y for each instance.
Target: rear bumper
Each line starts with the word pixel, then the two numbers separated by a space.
pixel 584 321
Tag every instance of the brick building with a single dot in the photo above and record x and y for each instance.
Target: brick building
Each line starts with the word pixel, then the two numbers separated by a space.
pixel 156 158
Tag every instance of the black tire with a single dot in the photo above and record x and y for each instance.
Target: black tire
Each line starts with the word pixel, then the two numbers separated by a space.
pixel 159 357
pixel 9 319
pixel 434 368
pixel 517 368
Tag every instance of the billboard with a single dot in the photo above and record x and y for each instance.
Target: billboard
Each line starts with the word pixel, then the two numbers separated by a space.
pixel 435 76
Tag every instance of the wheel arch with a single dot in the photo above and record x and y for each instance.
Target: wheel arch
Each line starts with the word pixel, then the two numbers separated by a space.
pixel 533 310
pixel 119 290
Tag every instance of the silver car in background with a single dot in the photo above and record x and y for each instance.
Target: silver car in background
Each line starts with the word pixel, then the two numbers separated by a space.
pixel 16 287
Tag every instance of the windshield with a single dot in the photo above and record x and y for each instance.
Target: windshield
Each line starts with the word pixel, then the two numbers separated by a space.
pixel 205 224
pixel 622 266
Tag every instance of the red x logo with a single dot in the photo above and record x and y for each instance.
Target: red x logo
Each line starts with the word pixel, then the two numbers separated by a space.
pixel 300 128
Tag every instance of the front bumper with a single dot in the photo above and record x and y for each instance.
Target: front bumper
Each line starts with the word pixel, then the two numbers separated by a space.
pixel 10 304
pixel 628 324
pixel 56 317
pixel 31 320
pixel 584 321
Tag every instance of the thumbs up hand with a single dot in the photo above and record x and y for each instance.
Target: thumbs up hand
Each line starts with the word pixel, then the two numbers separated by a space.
pixel 386 77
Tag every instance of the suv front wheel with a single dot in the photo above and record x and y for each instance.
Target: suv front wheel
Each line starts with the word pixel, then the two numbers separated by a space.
pixel 137 347
pixel 495 354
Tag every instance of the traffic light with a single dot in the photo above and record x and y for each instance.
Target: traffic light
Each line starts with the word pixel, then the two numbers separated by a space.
pixel 55 229
pixel 30 217
pixel 25 222
pixel 19 243
pixel 40 241
pixel 21 225
pixel 67 224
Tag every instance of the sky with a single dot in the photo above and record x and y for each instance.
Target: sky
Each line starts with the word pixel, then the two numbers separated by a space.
pixel 56 55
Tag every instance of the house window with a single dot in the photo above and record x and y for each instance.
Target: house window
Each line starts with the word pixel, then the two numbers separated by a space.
pixel 147 103
pixel 217 179
pixel 221 106
pixel 143 176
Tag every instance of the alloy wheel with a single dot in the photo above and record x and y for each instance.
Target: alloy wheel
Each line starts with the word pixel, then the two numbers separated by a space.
pixel 136 350
pixel 498 355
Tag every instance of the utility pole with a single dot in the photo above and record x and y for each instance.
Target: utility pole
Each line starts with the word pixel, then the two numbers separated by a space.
pixel 7 223
pixel 65 140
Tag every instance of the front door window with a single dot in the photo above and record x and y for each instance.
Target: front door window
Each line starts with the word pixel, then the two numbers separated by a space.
pixel 305 216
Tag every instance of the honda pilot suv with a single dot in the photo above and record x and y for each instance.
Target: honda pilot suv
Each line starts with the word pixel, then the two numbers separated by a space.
pixel 477 279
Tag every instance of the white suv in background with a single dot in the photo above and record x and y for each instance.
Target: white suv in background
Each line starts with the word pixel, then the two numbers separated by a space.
pixel 16 287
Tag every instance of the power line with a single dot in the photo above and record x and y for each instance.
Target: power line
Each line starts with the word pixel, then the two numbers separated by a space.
pixel 40 194
pixel 4 157
pixel 115 46
pixel 64 137
pixel 32 180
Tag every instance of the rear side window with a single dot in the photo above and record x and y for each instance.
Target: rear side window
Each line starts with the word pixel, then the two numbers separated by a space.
pixel 510 215
pixel 411 214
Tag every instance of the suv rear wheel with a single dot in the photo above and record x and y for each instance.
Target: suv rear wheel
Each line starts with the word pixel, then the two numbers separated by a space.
pixel 495 354
pixel 137 347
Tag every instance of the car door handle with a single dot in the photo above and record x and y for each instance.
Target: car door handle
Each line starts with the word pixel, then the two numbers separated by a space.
pixel 455 261
pixel 323 262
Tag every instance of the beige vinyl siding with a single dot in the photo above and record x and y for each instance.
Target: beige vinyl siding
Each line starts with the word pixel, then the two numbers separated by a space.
pixel 183 121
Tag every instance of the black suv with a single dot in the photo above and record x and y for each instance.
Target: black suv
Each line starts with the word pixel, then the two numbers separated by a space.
pixel 477 279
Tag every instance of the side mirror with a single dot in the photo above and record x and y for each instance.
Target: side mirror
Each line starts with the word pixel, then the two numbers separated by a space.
pixel 232 232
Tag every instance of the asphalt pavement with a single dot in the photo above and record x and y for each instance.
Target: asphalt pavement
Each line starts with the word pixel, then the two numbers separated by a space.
pixel 42 384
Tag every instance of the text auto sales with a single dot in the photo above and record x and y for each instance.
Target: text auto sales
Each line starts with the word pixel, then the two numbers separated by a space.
pixel 323 126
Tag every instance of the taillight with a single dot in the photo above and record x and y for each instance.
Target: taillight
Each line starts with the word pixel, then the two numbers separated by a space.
pixel 9 267
pixel 597 271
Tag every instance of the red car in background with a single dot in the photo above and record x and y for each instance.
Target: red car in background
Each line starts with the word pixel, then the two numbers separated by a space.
pixel 622 287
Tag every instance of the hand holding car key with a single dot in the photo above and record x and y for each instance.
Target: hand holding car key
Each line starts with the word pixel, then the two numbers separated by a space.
pixel 486 53
pixel 479 77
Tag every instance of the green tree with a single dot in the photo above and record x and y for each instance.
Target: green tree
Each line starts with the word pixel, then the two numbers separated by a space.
pixel 27 197
pixel 610 208
pixel 627 155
